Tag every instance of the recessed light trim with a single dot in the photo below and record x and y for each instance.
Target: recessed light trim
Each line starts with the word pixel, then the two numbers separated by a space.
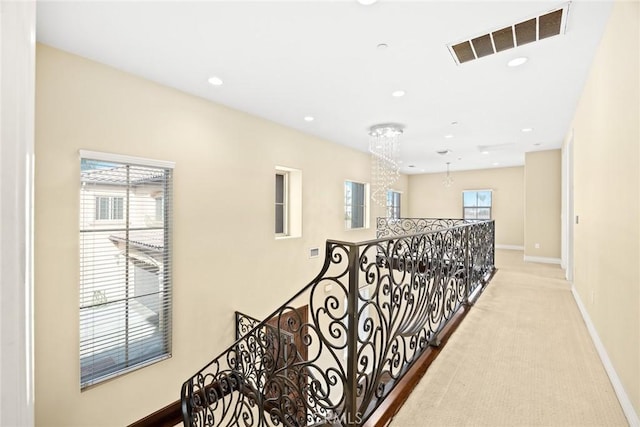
pixel 215 81
pixel 309 118
pixel 527 130
pixel 516 62
pixel 449 136
pixel 398 93
pixel 382 46
pixel 485 152
pixel 367 2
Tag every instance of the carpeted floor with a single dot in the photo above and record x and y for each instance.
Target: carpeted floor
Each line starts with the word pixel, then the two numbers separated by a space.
pixel 522 357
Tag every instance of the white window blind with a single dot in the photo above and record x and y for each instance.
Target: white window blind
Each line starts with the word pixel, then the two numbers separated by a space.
pixel 125 264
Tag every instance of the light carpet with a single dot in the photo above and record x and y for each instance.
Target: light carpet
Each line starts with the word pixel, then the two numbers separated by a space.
pixel 521 357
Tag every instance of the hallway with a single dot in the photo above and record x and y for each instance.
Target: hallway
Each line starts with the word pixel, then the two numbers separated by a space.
pixel 522 357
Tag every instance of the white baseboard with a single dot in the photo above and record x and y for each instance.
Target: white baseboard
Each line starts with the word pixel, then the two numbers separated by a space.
pixel 542 259
pixel 623 398
pixel 510 247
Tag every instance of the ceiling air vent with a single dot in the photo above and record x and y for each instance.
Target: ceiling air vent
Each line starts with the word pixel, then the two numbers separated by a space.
pixel 530 30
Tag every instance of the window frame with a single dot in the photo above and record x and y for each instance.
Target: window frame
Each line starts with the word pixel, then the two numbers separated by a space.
pixel 284 203
pixel 110 299
pixel 476 207
pixel 293 200
pixel 349 207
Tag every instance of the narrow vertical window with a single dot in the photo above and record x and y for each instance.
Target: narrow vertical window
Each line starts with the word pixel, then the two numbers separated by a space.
pixel 476 204
pixel 281 203
pixel 393 204
pixel 288 202
pixel 125 264
pixel 159 208
pixel 355 205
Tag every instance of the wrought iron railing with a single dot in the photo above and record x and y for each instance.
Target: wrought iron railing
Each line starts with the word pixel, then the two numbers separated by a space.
pixel 399 226
pixel 334 351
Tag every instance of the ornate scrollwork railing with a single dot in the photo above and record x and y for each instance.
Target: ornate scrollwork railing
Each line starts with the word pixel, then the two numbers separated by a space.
pixel 334 351
pixel 398 226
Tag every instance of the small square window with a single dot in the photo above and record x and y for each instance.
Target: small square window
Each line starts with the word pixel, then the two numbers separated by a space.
pixel 109 208
pixel 477 204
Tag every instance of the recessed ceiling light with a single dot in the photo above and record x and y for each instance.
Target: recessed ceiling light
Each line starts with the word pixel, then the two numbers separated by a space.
pixel 412 166
pixel 496 164
pixel 537 144
pixel 454 123
pixel 527 129
pixel 485 152
pixel 382 46
pixel 367 2
pixel 448 136
pixel 398 93
pixel 517 61
pixel 308 118
pixel 216 81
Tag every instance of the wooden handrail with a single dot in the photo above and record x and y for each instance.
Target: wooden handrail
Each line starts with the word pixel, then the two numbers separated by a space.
pixel 169 416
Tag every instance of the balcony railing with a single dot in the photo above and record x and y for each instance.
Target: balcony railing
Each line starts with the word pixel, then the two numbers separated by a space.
pixel 332 353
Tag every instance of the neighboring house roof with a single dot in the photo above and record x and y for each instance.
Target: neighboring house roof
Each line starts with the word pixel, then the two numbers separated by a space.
pixel 146 246
pixel 118 175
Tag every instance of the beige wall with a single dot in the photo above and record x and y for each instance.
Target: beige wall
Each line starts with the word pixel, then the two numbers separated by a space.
pixel 429 198
pixel 607 187
pixel 542 205
pixel 225 255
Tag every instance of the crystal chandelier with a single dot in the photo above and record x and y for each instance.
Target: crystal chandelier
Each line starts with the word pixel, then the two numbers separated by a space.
pixel 448 179
pixel 384 148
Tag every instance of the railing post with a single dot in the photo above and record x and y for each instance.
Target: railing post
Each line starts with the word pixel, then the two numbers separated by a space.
pixel 467 263
pixel 237 325
pixel 493 245
pixel 351 392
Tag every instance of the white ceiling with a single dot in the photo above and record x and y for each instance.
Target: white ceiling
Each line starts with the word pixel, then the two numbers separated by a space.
pixel 284 60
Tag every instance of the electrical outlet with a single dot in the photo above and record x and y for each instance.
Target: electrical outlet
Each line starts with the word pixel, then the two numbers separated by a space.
pixel 537 245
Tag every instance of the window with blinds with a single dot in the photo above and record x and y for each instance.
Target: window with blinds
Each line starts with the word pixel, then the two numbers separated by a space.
pixel 125 264
pixel 393 204
pixel 356 210
pixel 281 204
